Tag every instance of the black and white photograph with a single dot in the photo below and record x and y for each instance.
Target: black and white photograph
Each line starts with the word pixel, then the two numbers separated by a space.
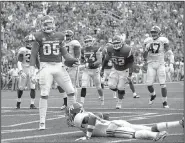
pixel 92 71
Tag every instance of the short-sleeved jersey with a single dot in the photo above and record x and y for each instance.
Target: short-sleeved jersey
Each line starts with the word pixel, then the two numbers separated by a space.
pixel 26 56
pixel 70 47
pixel 119 57
pixel 89 55
pixel 50 46
pixel 155 48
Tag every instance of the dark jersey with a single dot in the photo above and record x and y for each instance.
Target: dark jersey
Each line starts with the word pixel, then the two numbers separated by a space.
pixel 89 56
pixel 50 46
pixel 119 57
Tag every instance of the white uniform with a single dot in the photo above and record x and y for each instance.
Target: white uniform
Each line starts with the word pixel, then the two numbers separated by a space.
pixel 70 46
pixel 26 68
pixel 155 59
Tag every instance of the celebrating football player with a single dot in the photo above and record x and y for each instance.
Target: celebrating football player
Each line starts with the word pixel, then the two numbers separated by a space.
pixel 23 65
pixel 122 58
pixel 48 45
pixel 154 52
pixel 91 56
pixel 98 126
pixel 73 47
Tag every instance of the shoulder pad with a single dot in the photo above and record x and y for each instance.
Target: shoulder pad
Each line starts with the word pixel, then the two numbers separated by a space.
pixel 75 43
pixel 147 40
pixel 164 39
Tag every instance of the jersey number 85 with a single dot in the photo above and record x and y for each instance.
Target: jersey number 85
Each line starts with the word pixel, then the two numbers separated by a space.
pixel 49 49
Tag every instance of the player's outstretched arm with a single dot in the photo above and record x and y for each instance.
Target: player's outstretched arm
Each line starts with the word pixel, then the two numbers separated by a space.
pixel 99 59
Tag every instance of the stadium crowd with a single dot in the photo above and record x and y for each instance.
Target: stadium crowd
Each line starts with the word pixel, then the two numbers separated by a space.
pixel 98 19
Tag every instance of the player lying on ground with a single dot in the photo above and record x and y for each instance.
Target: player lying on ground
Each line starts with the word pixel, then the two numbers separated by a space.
pixel 95 126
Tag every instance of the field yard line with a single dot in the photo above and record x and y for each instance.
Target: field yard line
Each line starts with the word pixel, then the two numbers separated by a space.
pixel 39 136
pixel 126 140
pixel 17 130
pixel 14 125
pixel 170 109
pixel 66 133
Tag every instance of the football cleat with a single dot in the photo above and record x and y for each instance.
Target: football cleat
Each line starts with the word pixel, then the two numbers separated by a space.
pixel 18 105
pixel 63 107
pixel 32 106
pixel 136 96
pixel 160 136
pixel 118 105
pixel 165 105
pixel 182 122
pixel 42 126
pixel 151 99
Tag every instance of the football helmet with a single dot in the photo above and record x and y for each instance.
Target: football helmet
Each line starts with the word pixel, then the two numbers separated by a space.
pixel 29 40
pixel 48 24
pixel 69 35
pixel 155 32
pixel 72 111
pixel 79 119
pixel 89 41
pixel 118 41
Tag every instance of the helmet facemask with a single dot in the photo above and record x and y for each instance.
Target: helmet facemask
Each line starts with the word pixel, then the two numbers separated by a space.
pixel 89 42
pixel 48 25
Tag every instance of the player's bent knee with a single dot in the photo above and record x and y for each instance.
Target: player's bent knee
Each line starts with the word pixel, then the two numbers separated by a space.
pixel 122 92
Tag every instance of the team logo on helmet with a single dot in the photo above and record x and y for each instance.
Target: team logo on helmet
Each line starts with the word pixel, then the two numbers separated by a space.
pixel 118 41
pixel 29 40
pixel 89 41
pixel 155 32
pixel 48 24
pixel 69 35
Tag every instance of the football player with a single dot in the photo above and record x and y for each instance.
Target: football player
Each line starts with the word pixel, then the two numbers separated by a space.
pixel 23 65
pixel 91 56
pixel 48 45
pixel 73 47
pixel 97 126
pixel 122 58
pixel 154 52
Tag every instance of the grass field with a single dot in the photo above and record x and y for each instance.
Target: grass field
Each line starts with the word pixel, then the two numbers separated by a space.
pixel 22 125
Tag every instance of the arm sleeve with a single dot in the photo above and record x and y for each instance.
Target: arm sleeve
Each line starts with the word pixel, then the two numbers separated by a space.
pixel 77 51
pixel 34 53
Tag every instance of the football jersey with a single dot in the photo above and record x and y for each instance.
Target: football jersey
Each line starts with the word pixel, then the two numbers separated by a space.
pixel 70 46
pixel 26 56
pixel 156 51
pixel 119 57
pixel 89 55
pixel 50 46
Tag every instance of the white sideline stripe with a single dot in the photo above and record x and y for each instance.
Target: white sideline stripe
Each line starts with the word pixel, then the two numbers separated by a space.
pixel 66 133
pixel 164 109
pixel 14 125
pixel 39 136
pixel 17 130
pixel 126 140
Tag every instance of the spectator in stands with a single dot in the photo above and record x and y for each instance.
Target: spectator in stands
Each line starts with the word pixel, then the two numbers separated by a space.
pixel 14 76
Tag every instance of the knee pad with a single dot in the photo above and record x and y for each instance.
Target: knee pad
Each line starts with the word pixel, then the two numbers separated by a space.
pixel 163 85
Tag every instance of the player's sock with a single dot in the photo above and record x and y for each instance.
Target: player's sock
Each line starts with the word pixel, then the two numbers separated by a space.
pixel 43 105
pixel 65 101
pixel 76 93
pixel 145 134
pixel 151 90
pixel 164 93
pixel 164 126
pixel 83 94
pixel 102 85
pixel 32 93
pixel 121 94
pixel 132 87
pixel 19 93
pixel 100 92
pixel 32 100
pixel 71 99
